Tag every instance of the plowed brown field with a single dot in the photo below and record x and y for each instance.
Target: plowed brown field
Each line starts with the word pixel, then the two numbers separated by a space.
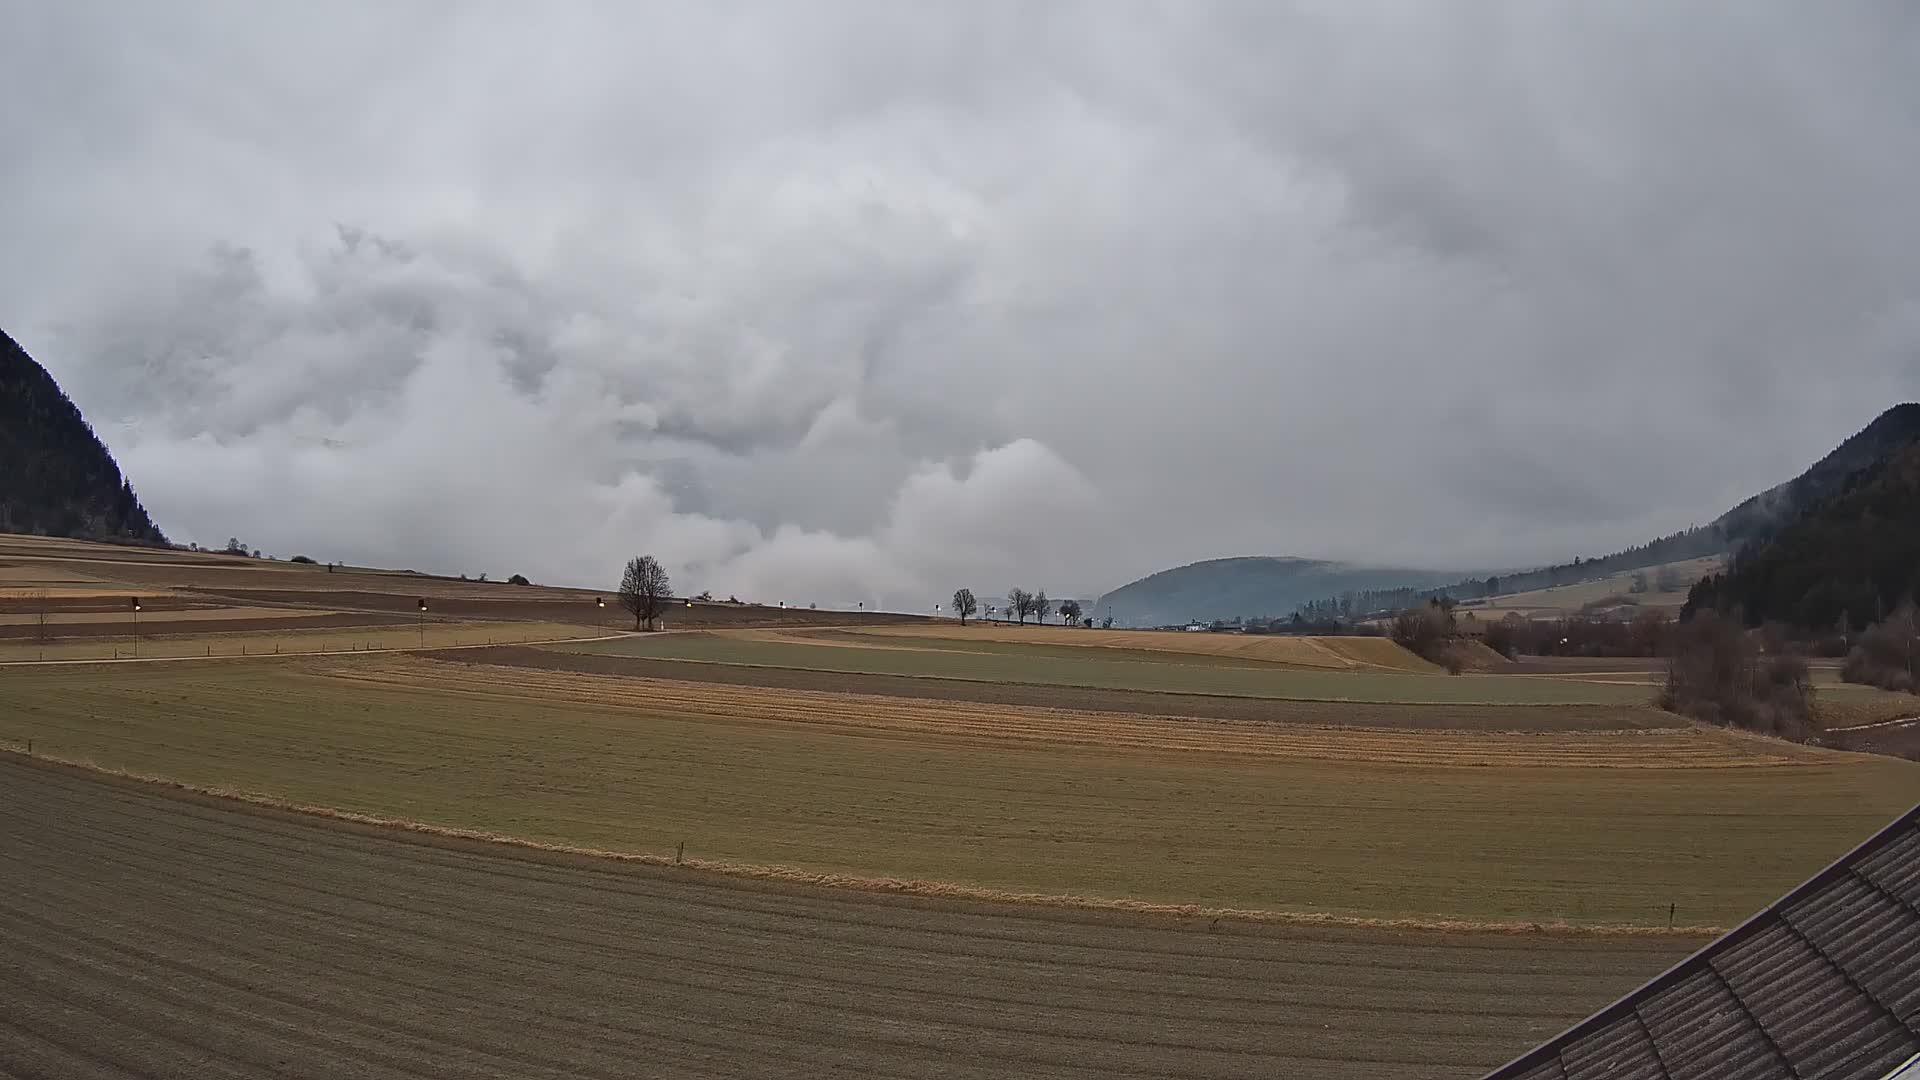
pixel 146 933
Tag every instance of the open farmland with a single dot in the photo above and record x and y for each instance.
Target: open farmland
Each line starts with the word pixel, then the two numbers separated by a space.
pixel 1589 827
pixel 1332 653
pixel 1349 714
pixel 1065 666
pixel 282 944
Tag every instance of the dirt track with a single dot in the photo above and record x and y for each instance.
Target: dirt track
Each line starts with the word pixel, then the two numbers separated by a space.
pixel 150 933
pixel 1205 706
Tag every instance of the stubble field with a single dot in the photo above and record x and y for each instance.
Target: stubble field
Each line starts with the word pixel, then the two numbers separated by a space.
pixel 1607 826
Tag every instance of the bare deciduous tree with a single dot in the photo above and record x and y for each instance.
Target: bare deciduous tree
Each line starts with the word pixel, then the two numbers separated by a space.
pixel 964 605
pixel 1042 606
pixel 644 590
pixel 1020 602
pixel 1070 611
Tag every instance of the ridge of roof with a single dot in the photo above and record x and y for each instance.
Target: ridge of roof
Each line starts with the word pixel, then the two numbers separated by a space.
pixel 1533 1064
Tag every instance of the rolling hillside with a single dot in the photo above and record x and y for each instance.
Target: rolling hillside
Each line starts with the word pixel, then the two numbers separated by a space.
pixel 1852 556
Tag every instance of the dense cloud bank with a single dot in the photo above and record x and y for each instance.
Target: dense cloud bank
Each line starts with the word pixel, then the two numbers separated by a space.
pixel 861 302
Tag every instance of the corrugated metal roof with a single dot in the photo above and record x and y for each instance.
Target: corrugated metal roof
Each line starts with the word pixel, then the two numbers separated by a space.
pixel 1825 983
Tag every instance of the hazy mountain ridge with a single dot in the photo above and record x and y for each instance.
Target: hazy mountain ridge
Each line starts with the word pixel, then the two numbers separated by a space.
pixel 1261 585
pixel 1218 588
pixel 56 477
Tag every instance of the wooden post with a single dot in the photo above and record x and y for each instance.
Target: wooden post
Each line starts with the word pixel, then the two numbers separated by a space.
pixel 679 853
pixel 1671 908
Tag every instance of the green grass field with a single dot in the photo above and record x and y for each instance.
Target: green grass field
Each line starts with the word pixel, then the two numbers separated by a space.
pixel 1180 826
pixel 1065 666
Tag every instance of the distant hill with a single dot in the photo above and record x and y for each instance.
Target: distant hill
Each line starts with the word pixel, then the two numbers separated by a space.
pixel 1258 585
pixel 1223 588
pixel 56 478
pixel 1853 554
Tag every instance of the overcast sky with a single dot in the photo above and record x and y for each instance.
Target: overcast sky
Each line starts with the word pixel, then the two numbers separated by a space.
pixel 822 301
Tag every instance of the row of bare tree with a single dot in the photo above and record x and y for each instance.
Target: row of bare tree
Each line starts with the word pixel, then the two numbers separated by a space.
pixel 1020 604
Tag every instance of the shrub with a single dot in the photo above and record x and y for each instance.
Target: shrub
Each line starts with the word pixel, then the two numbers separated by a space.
pixel 301 559
pixel 1718 676
pixel 518 579
pixel 1886 653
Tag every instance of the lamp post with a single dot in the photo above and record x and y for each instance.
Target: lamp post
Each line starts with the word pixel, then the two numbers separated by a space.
pixel 423 622
pixel 600 602
pixel 134 603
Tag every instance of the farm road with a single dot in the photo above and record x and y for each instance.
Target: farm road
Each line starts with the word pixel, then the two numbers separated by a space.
pixel 151 933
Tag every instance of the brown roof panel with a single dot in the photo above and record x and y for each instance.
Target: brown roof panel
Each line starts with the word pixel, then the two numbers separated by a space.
pixel 1823 984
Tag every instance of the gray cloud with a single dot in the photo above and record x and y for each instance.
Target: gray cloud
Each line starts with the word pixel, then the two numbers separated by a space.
pixel 859 301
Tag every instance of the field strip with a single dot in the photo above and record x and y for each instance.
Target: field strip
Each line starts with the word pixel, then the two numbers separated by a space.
pixel 157 931
pixel 903 886
pixel 1335 654
pixel 1648 748
pixel 1898 722
pixel 291 655
pixel 970 692
pixel 1265 695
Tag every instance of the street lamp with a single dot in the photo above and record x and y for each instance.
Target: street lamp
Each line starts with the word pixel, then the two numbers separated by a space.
pixel 423 622
pixel 134 603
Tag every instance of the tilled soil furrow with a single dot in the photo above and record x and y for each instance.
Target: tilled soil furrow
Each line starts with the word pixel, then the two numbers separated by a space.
pixel 371 1016
pixel 339 949
pixel 693 970
pixel 29 1049
pixel 741 904
pixel 1308 960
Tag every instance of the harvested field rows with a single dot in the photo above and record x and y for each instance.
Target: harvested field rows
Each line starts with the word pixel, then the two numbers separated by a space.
pixel 1667 748
pixel 1092 669
pixel 269 943
pixel 1093 699
pixel 341 632
pixel 117 615
pixel 1335 653
pixel 1253 831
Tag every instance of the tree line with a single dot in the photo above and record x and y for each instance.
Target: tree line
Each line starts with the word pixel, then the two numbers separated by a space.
pixel 1021 603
